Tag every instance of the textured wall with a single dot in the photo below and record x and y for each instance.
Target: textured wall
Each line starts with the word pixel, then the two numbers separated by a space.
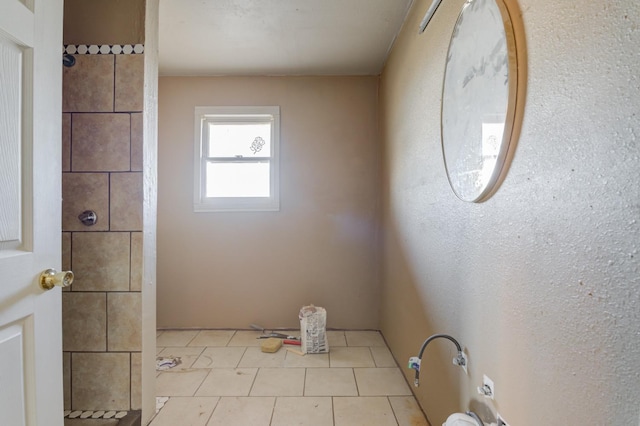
pixel 232 269
pixel 541 282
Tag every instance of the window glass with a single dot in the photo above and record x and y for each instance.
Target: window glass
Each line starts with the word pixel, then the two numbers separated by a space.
pixel 239 139
pixel 236 159
pixel 237 180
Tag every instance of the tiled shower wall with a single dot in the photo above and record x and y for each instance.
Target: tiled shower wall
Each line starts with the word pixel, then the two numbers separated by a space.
pixel 102 171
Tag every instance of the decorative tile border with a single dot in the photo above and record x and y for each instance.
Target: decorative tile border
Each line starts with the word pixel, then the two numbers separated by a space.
pixel 94 414
pixel 103 49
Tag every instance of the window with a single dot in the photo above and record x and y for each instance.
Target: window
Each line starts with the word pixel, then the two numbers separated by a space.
pixel 236 159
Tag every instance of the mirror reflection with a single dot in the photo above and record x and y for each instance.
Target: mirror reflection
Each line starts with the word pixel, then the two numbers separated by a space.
pixel 478 100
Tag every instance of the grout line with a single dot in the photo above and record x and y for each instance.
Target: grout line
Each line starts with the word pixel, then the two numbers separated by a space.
pixel 106 324
pixel 130 249
pixel 353 372
pixel 70 142
pixel 108 201
pixel 375 364
pixel 201 383
pixel 130 137
pixel 70 380
pixel 273 409
pixel 304 383
pixel 192 339
pixel 114 83
pixel 333 409
pixel 213 411
pixel 241 356
pixel 392 410
pixel 130 380
pixel 254 380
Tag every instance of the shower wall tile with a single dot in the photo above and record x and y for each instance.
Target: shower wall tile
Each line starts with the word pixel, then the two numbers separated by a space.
pixel 66 251
pixel 102 161
pixel 66 142
pixel 124 332
pixel 84 321
pixel 66 255
pixel 100 142
pixel 136 261
pixel 101 261
pixel 88 85
pixel 126 201
pixel 66 379
pixel 85 191
pixel 136 381
pixel 100 381
pixel 136 142
pixel 129 87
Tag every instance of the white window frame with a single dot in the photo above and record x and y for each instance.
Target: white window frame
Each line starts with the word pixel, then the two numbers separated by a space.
pixel 204 115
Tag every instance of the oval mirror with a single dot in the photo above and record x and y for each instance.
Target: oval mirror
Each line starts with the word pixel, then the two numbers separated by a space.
pixel 479 99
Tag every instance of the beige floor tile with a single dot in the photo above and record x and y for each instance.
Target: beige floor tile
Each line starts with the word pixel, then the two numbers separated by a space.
pixel 212 338
pixel 381 381
pixel 279 382
pixel 364 338
pixel 351 357
pixel 176 337
pixel 228 382
pixel 245 338
pixel 382 357
pixel 179 383
pixel 239 411
pixel 309 360
pixel 254 357
pixel 363 411
pixel 191 411
pixel 336 338
pixel 187 356
pixel 330 382
pixel 219 357
pixel 303 411
pixel 364 380
pixel 407 411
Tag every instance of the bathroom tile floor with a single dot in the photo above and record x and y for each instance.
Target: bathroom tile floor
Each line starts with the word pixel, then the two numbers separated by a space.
pixel 224 379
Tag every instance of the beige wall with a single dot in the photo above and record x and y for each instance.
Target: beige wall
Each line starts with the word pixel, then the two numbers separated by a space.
pixel 233 269
pixel 540 282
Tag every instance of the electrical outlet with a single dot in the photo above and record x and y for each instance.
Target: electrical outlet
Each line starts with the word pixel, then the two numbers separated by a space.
pixel 501 421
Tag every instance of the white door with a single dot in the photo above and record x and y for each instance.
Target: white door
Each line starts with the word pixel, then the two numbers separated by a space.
pixel 30 218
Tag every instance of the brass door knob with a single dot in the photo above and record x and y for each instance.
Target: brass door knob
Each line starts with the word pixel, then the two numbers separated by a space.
pixel 51 278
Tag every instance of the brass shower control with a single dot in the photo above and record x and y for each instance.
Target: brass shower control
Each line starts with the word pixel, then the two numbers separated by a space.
pixel 51 278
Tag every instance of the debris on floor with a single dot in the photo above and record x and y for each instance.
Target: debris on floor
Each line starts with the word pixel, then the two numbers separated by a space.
pixel 313 329
pixel 160 401
pixel 271 345
pixel 163 363
pixel 295 351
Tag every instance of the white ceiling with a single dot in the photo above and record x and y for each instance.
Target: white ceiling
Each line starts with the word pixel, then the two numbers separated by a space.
pixel 278 37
